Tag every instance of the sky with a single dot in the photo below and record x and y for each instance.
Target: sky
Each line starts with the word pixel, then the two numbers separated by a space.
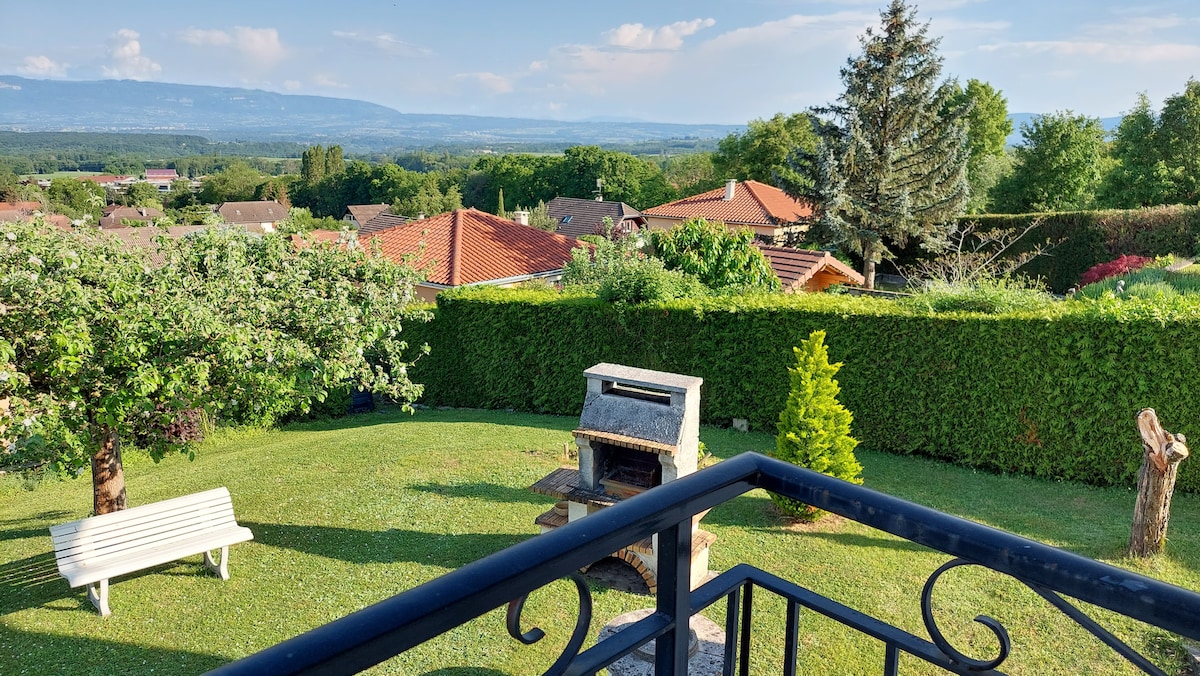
pixel 655 60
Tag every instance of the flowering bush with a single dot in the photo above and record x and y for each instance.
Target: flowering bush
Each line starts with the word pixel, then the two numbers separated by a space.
pixel 1123 265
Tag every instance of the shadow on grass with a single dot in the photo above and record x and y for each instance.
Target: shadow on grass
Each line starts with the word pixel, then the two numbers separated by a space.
pixel 483 491
pixel 28 652
pixel 391 415
pixel 361 546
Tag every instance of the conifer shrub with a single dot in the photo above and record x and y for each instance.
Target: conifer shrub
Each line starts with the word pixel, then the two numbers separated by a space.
pixel 814 427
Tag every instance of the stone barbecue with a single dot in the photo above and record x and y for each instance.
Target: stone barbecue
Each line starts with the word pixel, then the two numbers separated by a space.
pixel 639 429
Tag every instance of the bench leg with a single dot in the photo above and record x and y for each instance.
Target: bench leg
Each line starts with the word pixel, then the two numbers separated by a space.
pixel 222 568
pixel 98 594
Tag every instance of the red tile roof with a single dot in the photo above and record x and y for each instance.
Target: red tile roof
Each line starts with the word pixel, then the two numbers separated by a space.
pixel 796 267
pixel 753 203
pixel 21 206
pixel 161 174
pixel 469 246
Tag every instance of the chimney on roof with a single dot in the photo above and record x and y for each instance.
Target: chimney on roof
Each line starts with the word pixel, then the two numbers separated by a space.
pixel 730 185
pixel 521 217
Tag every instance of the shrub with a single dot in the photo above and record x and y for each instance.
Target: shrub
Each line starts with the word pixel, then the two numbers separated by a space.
pixel 1123 265
pixel 814 428
pixel 645 280
pixel 989 296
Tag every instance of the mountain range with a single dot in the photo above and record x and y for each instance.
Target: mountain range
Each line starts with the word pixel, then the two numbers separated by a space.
pixel 226 113
pixel 233 114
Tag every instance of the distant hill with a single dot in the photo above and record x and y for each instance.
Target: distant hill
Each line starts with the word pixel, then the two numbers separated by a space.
pixel 1110 125
pixel 226 113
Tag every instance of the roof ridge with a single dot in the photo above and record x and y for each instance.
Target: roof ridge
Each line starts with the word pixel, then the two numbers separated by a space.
pixel 455 245
pixel 761 205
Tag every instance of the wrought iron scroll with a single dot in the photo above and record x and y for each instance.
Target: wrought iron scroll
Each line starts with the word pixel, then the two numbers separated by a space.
pixel 578 635
pixel 1079 617
pixel 940 641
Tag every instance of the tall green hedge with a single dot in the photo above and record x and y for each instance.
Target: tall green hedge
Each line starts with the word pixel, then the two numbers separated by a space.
pixel 1086 238
pixel 1052 394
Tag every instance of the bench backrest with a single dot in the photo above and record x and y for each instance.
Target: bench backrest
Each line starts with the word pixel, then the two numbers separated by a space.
pixel 139 528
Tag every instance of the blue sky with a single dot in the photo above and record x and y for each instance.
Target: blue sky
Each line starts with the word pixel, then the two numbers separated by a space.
pixel 668 61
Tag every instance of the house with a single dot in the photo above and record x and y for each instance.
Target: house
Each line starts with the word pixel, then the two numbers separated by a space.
pixel 578 217
pixel 381 221
pixel 161 178
pixel 774 217
pixel 13 212
pixel 468 247
pixel 145 238
pixel 117 216
pixel 109 180
pixel 358 214
pixel 260 217
pixel 804 270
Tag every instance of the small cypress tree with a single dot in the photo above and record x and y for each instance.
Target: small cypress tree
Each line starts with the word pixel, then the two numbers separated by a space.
pixel 814 428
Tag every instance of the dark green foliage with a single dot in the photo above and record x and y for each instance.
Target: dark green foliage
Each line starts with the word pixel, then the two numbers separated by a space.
pixel 814 428
pixel 1059 165
pixel 1051 393
pixel 760 153
pixel 1086 238
pixel 891 154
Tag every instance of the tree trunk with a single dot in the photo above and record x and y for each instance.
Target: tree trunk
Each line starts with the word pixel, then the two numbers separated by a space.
pixel 869 266
pixel 1156 482
pixel 108 477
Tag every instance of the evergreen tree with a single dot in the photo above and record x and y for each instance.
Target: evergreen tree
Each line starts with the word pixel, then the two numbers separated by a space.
pixel 890 160
pixel 814 428
pixel 500 205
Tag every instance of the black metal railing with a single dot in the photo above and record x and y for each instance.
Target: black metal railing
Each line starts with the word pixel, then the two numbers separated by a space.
pixel 392 626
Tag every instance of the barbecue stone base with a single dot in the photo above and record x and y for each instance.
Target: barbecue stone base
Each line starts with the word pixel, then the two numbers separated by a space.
pixel 706 659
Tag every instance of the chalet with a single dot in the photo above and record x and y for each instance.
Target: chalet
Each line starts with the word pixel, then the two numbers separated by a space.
pixel 774 217
pixel 358 214
pixel 260 217
pixel 117 216
pixel 803 270
pixel 468 247
pixel 578 217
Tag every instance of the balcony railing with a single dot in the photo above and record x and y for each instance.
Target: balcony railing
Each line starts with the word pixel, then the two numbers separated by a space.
pixel 392 626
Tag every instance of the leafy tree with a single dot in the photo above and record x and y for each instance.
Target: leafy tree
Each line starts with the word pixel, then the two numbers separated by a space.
pixel 1178 139
pixel 428 199
pixel 237 182
pixel 988 128
pixel 313 162
pixel 276 188
pixel 719 257
pixel 890 162
pixel 814 427
pixel 300 220
pixel 142 194
pixel 619 272
pixel 1059 165
pixel 760 153
pixel 624 178
pixel 335 164
pixel 691 174
pixel 180 195
pixel 96 346
pixel 540 218
pixel 1139 176
pixel 78 199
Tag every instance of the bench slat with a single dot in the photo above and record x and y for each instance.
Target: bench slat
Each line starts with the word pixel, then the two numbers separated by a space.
pixel 119 544
pixel 207 513
pixel 80 575
pixel 140 514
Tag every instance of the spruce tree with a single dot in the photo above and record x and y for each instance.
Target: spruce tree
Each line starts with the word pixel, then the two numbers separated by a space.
pixel 891 155
pixel 814 428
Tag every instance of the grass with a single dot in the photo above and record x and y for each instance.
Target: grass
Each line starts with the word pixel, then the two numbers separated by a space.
pixel 347 513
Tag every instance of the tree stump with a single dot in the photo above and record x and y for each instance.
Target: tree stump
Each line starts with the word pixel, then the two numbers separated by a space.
pixel 1156 482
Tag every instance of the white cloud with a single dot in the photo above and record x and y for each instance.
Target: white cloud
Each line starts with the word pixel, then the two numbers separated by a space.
pixel 261 44
pixel 637 36
pixel 497 84
pixel 1110 52
pixel 43 66
pixel 800 30
pixel 291 85
pixel 206 38
pixel 127 60
pixel 538 66
pixel 385 42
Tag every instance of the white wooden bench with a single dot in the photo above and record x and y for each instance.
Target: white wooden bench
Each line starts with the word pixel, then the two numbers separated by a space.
pixel 91 551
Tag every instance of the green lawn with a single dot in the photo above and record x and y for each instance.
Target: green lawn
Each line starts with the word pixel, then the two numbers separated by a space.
pixel 349 512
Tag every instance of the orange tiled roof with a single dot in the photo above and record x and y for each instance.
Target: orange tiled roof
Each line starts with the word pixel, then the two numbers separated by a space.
pixel 469 246
pixel 795 267
pixel 753 203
